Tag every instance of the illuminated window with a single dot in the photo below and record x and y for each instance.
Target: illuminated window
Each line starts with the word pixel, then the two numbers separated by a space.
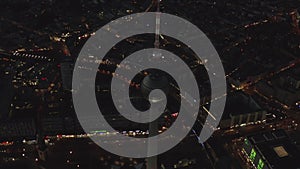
pixel 261 164
pixel 252 155
pixel 247 142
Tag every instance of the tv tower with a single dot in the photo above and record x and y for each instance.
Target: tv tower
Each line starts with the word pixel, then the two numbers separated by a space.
pixel 153 127
pixel 157 28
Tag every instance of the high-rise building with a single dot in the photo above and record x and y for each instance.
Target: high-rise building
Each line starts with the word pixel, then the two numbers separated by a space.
pixel 272 150
pixel 240 110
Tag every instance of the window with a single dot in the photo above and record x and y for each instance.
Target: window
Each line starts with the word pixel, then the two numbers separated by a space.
pixel 247 142
pixel 252 155
pixel 261 164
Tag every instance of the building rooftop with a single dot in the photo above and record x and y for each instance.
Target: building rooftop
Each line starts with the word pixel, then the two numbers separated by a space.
pixel 240 103
pixel 277 148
